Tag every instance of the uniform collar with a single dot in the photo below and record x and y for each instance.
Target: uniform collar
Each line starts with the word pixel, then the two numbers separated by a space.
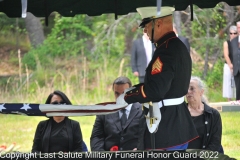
pixel 164 38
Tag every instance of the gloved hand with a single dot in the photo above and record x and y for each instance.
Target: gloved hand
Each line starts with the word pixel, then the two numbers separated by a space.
pixel 120 100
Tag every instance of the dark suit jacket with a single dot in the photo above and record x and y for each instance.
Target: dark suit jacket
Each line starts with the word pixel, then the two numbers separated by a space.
pixel 138 57
pixel 107 131
pixel 235 55
pixel 185 41
pixel 42 135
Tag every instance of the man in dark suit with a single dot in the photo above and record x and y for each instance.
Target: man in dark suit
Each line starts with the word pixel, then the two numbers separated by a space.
pixel 235 43
pixel 183 39
pixel 142 51
pixel 117 129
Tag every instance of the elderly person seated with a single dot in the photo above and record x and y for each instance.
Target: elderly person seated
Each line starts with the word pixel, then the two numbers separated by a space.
pixel 207 120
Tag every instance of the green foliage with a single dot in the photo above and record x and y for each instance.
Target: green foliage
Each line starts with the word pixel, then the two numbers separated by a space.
pixel 214 81
pixel 11 24
pixel 205 29
pixel 195 70
pixel 215 77
pixel 68 37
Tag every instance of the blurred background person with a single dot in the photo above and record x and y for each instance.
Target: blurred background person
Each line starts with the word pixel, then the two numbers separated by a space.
pixel 235 43
pixel 228 80
pixel 207 120
pixel 183 39
pixel 120 129
pixel 142 52
pixel 58 133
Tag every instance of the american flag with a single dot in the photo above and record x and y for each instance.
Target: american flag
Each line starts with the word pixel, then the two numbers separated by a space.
pixel 49 110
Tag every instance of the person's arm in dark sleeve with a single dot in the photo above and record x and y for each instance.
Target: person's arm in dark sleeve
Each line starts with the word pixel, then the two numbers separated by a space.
pixel 97 138
pixel 215 141
pixel 157 84
pixel 37 141
pixel 77 138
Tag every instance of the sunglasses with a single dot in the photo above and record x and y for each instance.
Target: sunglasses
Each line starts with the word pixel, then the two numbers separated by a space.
pixel 55 102
pixel 232 33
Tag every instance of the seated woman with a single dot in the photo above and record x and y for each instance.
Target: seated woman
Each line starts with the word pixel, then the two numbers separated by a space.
pixel 207 120
pixel 58 133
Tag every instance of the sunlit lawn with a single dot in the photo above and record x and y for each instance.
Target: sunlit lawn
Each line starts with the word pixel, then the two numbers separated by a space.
pixel 21 129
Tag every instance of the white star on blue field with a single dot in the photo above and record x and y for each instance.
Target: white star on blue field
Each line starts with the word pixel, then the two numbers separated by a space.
pixel 2 107
pixel 26 107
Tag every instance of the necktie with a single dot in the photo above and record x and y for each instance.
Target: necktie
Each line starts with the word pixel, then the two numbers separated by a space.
pixel 124 117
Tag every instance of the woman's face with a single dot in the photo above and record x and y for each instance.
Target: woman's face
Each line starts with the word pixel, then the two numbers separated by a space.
pixel 233 34
pixel 194 92
pixel 56 99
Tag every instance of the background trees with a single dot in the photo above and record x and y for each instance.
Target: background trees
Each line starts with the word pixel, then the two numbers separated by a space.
pixel 103 44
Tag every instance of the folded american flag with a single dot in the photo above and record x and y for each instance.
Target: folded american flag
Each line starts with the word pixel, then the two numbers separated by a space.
pixel 31 109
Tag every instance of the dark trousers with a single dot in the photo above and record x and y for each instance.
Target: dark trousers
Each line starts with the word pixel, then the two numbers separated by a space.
pixel 237 83
pixel 141 79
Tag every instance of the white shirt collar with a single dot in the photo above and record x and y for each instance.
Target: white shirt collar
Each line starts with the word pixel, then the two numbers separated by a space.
pixel 145 40
pixel 128 108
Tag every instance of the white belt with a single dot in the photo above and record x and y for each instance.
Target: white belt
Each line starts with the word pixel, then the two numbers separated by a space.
pixel 167 102
pixel 157 113
pixel 171 102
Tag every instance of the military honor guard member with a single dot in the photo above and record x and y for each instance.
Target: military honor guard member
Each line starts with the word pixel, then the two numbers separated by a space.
pixel 165 85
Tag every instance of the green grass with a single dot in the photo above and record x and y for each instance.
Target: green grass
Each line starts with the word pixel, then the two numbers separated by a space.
pixel 231 133
pixel 21 129
pixel 215 95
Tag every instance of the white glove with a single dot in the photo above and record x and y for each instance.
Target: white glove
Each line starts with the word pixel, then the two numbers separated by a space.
pixel 120 100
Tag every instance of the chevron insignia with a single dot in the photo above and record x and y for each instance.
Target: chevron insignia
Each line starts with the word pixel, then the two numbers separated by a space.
pixel 157 66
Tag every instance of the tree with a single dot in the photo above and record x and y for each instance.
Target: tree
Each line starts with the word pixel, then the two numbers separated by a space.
pixel 34 29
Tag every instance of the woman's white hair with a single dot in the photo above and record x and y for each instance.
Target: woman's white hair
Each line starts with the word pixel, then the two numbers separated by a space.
pixel 233 28
pixel 201 85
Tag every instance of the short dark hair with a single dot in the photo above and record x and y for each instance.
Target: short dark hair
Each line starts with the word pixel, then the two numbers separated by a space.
pixel 122 80
pixel 61 94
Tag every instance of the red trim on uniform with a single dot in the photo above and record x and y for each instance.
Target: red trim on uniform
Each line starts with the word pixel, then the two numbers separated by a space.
pixel 175 145
pixel 161 44
pixel 132 94
pixel 81 111
pixel 158 45
pixel 142 91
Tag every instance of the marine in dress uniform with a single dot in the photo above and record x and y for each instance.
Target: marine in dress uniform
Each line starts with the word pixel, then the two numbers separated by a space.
pixel 166 83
